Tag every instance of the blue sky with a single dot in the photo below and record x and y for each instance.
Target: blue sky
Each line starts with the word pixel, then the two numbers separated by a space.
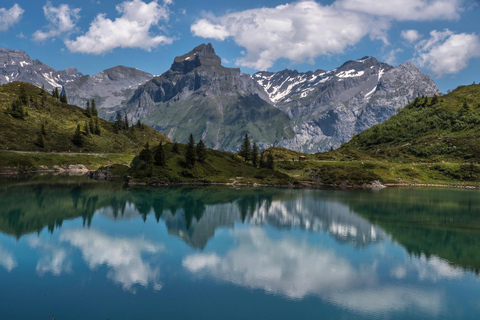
pixel 439 36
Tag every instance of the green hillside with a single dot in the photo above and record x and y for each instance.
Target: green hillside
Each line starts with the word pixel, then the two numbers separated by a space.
pixel 27 112
pixel 430 141
pixel 434 129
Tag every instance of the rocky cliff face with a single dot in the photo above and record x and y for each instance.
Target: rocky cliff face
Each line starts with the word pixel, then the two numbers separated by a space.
pixel 200 96
pixel 328 107
pixel 110 88
pixel 16 65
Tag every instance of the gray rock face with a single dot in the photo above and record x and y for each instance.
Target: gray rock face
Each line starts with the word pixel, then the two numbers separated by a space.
pixel 110 88
pixel 16 65
pixel 200 96
pixel 327 108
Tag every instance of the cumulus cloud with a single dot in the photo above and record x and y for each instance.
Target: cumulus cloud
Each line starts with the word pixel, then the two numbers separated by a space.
pixel 53 259
pixel 130 30
pixel 298 31
pixel 401 10
pixel 411 35
pixel 296 269
pixel 124 256
pixel 61 20
pixel 304 30
pixel 446 52
pixel 8 17
pixel 7 260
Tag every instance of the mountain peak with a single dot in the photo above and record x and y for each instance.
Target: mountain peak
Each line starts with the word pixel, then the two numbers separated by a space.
pixel 202 55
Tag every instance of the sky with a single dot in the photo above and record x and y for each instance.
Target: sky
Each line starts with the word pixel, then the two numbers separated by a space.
pixel 441 37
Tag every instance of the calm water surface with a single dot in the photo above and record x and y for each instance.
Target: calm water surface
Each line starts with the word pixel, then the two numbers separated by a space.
pixel 78 249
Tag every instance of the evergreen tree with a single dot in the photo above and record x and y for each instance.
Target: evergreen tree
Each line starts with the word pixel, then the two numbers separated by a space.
pixel 146 154
pixel 160 156
pixel 245 149
pixel 17 110
pixel 270 163
pixel 78 137
pixel 190 156
pixel 261 162
pixel 63 98
pixel 119 121
pixel 40 142
pixel 88 110
pixel 55 93
pixel 175 148
pixel 91 126
pixel 23 96
pixel 434 100
pixel 98 130
pixel 86 128
pixel 201 151
pixel 126 122
pixel 93 108
pixel 140 124
pixel 255 155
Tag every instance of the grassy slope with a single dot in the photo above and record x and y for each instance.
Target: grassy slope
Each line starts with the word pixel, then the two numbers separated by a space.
pixel 60 122
pixel 426 142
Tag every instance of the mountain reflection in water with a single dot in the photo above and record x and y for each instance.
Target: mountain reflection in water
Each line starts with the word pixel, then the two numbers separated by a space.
pixel 370 253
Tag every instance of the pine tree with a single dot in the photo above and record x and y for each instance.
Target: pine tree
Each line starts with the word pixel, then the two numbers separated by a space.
pixel 261 162
pixel 465 109
pixel 201 151
pixel 93 109
pixel 78 137
pixel 98 130
pixel 245 150
pixel 91 126
pixel 190 156
pixel 86 128
pixel 146 154
pixel 175 148
pixel 255 155
pixel 126 122
pixel 270 162
pixel 88 110
pixel 119 121
pixel 63 98
pixel 160 156
pixel 40 142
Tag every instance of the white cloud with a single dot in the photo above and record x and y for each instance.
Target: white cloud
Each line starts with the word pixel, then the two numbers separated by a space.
pixel 53 259
pixel 416 10
pixel 130 30
pixel 297 269
pixel 391 56
pixel 301 31
pixel 411 35
pixel 61 20
pixel 8 17
pixel 124 256
pixel 446 52
pixel 7 260
pixel 206 29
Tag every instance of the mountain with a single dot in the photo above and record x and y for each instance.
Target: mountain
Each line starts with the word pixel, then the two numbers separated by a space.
pixel 307 112
pixel 200 96
pixel 28 115
pixel 109 88
pixel 327 108
pixel 16 65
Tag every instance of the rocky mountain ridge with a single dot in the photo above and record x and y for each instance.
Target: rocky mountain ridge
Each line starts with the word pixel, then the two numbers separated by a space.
pixel 327 108
pixel 16 65
pixel 307 112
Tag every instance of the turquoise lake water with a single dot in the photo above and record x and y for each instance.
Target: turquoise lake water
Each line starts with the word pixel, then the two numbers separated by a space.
pixel 78 249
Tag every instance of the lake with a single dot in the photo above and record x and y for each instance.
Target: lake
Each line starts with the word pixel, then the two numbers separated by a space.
pixel 80 249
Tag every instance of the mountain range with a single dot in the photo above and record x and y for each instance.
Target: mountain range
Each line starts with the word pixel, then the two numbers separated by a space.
pixel 307 112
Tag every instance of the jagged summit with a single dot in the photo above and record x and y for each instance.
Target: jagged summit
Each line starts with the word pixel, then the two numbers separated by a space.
pixel 203 55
